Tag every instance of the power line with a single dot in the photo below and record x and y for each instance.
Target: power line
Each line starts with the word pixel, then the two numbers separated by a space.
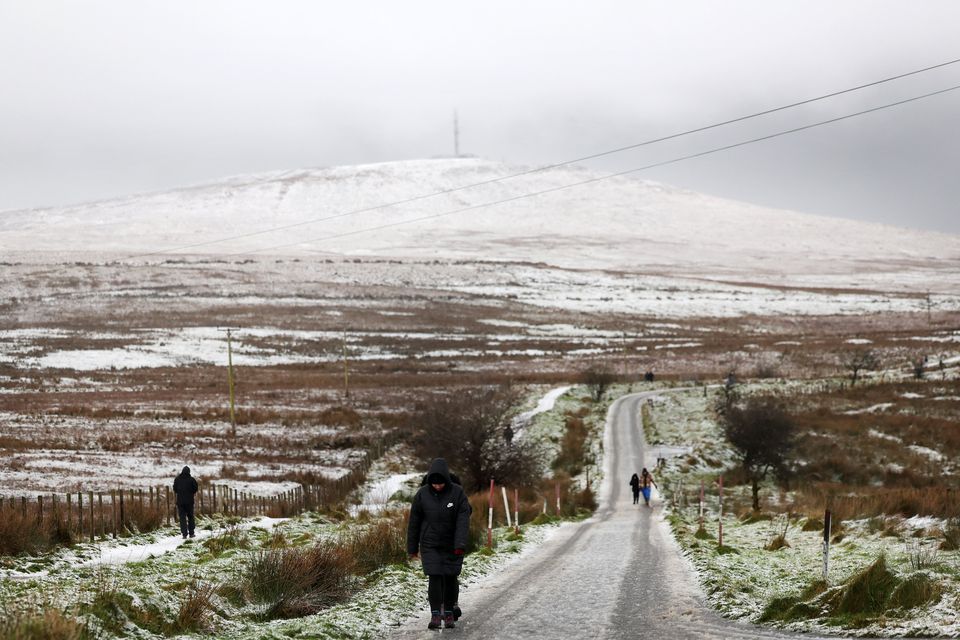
pixel 604 177
pixel 558 188
pixel 556 165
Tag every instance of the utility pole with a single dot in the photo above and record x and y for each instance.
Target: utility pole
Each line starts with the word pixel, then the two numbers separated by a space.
pixel 456 135
pixel 233 417
pixel 929 318
pixel 346 374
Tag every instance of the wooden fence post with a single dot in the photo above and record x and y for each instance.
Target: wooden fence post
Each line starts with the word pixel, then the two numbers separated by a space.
pixel 80 514
pixel 113 509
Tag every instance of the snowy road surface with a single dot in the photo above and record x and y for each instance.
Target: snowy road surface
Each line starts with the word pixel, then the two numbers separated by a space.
pixel 618 575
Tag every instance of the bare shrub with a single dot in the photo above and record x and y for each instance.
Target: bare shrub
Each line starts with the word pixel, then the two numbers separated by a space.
pixel 468 430
pixel 597 380
pixel 858 359
pixel 779 539
pixel 922 555
pixel 572 446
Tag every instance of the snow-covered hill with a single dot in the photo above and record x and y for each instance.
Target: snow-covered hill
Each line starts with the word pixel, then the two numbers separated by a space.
pixel 618 223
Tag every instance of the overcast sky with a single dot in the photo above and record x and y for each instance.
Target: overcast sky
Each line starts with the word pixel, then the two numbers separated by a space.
pixel 112 97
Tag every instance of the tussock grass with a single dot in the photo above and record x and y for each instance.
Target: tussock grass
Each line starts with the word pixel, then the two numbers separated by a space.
pixel 51 624
pixel 196 609
pixel 116 608
pixel 867 591
pixel 377 545
pixel 778 542
pixel 916 590
pixel 295 582
pixel 869 594
pixel 232 537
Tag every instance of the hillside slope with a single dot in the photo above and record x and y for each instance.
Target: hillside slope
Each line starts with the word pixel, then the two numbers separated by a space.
pixel 620 223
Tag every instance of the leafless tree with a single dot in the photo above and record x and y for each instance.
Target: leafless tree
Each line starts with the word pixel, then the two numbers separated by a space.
pixel 467 429
pixel 762 433
pixel 858 359
pixel 597 379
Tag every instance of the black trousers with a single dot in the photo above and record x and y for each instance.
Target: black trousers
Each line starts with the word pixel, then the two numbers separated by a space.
pixel 636 495
pixel 185 513
pixel 443 592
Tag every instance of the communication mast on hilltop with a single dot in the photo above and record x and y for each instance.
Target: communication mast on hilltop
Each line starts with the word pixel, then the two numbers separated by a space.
pixel 456 135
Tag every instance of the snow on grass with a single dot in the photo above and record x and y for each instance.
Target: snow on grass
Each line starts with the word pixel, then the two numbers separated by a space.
pixel 926 452
pixel 154 571
pixel 873 433
pixel 743 577
pixel 875 408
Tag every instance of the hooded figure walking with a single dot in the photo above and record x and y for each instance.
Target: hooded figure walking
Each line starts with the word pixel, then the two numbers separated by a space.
pixel 635 487
pixel 185 486
pixel 437 533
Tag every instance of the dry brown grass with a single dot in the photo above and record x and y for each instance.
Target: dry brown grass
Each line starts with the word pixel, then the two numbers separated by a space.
pixel 382 543
pixel 51 624
pixel 196 608
pixel 295 582
pixel 938 502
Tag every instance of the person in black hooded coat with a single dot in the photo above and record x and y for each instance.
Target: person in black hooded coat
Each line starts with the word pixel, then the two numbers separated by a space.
pixel 437 533
pixel 185 486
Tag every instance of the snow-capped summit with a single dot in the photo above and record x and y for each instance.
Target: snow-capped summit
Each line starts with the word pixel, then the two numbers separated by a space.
pixel 472 208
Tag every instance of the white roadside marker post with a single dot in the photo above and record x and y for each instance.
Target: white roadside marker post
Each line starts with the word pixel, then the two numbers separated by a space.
pixel 490 517
pixel 506 505
pixel 826 544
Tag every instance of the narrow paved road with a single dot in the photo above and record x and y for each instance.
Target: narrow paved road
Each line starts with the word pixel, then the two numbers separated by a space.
pixel 618 575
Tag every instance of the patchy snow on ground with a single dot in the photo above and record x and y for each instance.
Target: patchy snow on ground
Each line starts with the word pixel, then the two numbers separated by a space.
pixel 926 452
pixel 873 433
pixel 741 581
pixel 876 408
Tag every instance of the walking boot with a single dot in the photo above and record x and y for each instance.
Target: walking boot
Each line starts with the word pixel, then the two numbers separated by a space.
pixel 434 620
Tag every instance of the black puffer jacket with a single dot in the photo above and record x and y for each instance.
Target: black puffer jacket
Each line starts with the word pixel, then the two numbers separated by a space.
pixel 185 485
pixel 439 523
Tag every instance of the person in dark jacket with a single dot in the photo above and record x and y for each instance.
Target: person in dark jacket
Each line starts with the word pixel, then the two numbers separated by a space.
pixel 185 486
pixel 635 487
pixel 437 534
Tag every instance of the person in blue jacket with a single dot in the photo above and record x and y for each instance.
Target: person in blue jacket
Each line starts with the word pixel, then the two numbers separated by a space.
pixel 437 534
